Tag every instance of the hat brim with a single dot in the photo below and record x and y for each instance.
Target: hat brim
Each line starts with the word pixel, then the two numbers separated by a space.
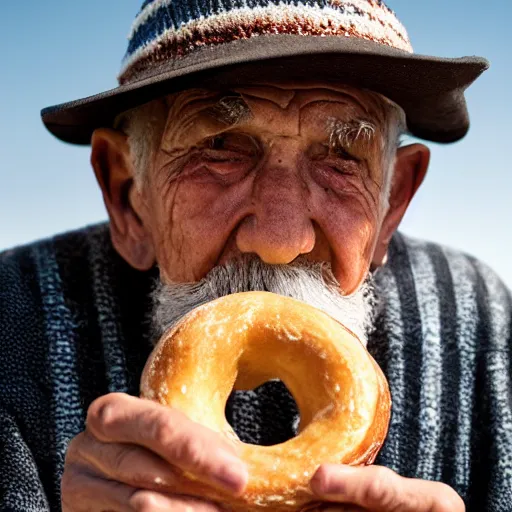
pixel 429 89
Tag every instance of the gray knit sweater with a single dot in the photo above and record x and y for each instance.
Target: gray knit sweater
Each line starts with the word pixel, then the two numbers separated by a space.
pixel 73 320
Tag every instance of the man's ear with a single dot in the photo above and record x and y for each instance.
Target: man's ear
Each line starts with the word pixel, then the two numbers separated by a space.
pixel 410 168
pixel 112 164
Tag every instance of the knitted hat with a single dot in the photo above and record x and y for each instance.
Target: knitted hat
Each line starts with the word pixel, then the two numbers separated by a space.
pixel 178 44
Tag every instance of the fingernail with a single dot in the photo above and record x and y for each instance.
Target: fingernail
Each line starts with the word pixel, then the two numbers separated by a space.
pixel 232 473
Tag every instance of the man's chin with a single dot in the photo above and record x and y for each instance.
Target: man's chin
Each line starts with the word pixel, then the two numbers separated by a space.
pixel 310 282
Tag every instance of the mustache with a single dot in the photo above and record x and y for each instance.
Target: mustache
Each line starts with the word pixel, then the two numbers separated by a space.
pixel 310 282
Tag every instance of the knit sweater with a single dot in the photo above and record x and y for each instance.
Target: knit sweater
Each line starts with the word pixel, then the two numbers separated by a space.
pixel 74 326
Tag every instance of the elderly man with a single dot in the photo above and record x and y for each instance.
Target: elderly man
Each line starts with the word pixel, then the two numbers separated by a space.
pixel 253 147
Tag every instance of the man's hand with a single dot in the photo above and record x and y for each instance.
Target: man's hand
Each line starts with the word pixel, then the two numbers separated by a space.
pixel 124 460
pixel 378 489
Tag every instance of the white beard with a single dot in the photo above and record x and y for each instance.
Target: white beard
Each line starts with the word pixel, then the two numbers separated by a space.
pixel 309 282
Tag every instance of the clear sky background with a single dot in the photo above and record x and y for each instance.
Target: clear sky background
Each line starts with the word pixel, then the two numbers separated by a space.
pixel 60 50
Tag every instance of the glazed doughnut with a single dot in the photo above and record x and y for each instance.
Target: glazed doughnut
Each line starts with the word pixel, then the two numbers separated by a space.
pixel 243 340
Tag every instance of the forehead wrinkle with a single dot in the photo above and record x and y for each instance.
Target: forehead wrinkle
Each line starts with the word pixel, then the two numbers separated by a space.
pixel 370 104
pixel 180 102
pixel 354 94
pixel 182 107
pixel 268 116
pixel 277 95
pixel 311 96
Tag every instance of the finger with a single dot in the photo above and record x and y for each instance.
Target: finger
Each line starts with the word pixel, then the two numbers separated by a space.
pixel 171 435
pixel 83 492
pixel 379 488
pixel 147 500
pixel 129 464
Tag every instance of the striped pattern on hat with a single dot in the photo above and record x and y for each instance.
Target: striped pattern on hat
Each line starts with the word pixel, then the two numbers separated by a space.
pixel 170 29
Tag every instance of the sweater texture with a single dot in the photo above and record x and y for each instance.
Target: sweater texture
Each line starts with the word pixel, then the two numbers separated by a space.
pixel 74 326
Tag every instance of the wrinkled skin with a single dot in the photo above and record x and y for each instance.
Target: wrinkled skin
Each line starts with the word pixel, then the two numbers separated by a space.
pixel 272 184
pixel 284 195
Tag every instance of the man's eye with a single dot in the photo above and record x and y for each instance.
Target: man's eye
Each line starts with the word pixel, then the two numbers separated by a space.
pixel 319 151
pixel 217 142
pixel 234 143
pixel 343 153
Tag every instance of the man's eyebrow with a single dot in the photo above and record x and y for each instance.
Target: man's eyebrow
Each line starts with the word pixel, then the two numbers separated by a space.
pixel 343 134
pixel 230 109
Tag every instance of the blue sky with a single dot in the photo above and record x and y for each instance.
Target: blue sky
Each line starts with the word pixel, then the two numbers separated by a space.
pixel 59 50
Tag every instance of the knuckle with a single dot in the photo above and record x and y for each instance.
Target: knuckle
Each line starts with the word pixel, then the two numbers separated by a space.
pixel 189 452
pixel 381 488
pixel 163 431
pixel 171 433
pixel 102 413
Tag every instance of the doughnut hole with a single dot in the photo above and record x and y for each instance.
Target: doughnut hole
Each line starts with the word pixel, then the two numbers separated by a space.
pixel 265 416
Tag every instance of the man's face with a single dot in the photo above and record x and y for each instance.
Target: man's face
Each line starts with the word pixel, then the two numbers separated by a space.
pixel 274 171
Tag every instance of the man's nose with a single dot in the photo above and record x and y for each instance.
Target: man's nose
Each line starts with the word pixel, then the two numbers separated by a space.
pixel 279 228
